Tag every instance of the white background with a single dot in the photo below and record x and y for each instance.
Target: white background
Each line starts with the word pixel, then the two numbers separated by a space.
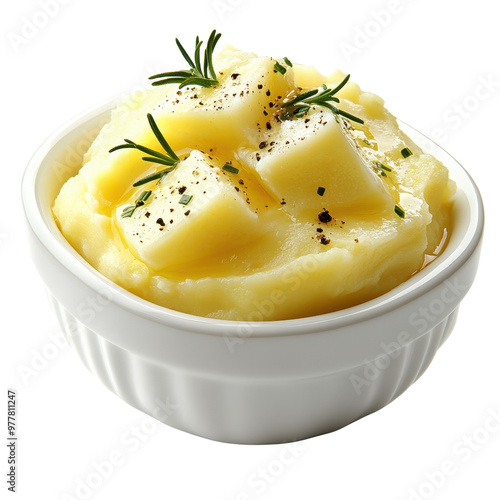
pixel 437 65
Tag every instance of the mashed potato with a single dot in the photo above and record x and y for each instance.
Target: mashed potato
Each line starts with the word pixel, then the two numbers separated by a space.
pixel 268 214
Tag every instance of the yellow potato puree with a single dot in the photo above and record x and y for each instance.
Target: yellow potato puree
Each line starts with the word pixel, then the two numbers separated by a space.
pixel 271 212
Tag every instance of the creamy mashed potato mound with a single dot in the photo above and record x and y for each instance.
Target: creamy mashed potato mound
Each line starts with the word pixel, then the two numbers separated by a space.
pixel 265 217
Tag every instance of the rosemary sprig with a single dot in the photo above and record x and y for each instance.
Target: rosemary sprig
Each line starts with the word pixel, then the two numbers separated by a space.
pixel 170 159
pixel 303 102
pixel 197 74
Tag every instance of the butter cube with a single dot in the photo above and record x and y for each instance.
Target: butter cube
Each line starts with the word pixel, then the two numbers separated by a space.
pixel 314 163
pixel 194 212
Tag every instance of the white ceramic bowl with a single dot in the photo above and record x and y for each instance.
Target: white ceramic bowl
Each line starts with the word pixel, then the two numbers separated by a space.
pixel 239 382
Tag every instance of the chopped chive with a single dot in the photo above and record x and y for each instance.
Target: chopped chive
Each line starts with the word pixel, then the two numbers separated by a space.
pixel 321 191
pixel 380 165
pixel 288 62
pixel 185 199
pixel 229 168
pixel 399 211
pixel 279 67
pixel 406 152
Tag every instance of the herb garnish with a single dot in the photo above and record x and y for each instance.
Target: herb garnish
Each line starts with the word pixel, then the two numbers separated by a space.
pixel 128 211
pixel 279 67
pixel 185 199
pixel 381 168
pixel 229 168
pixel 399 211
pixel 303 102
pixel 379 164
pixel 170 159
pixel 321 191
pixel 197 75
pixel 288 62
pixel 406 152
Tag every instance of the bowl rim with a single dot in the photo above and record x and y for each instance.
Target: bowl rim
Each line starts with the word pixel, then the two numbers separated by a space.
pixel 431 276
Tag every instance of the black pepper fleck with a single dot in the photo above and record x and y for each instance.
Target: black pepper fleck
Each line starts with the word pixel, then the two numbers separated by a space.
pixel 325 216
pixel 262 145
pixel 160 221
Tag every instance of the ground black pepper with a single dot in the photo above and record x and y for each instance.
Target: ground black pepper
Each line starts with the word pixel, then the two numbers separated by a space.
pixel 325 216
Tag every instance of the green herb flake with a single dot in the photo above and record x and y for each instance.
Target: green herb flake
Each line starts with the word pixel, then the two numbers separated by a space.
pixel 288 62
pixel 399 211
pixel 406 152
pixel 229 168
pixel 380 165
pixel 321 191
pixel 278 67
pixel 185 199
